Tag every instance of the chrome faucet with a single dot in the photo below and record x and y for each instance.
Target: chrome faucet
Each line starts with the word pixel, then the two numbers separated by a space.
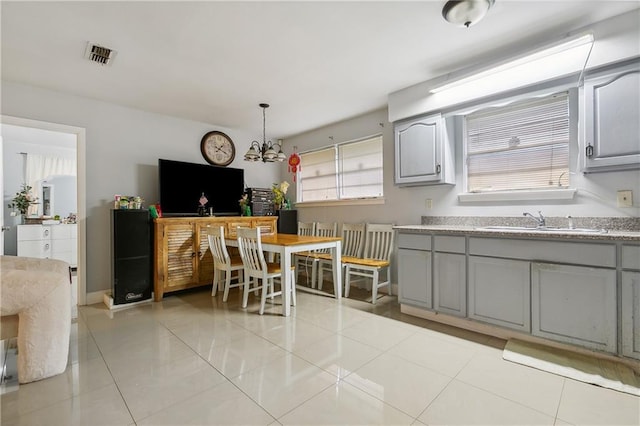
pixel 571 225
pixel 540 219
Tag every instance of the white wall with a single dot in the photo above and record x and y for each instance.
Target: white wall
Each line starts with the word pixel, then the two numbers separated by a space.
pixel 122 150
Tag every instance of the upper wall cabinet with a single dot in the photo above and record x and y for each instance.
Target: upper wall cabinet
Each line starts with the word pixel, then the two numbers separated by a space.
pixel 611 122
pixel 423 155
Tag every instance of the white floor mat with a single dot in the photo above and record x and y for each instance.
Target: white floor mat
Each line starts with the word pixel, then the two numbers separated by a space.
pixel 605 373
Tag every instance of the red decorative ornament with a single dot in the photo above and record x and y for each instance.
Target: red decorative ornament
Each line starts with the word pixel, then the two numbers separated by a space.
pixel 294 164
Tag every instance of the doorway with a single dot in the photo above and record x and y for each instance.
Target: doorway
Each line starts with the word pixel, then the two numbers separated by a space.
pixel 77 134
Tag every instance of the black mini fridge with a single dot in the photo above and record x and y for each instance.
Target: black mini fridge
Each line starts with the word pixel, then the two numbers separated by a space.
pixel 131 256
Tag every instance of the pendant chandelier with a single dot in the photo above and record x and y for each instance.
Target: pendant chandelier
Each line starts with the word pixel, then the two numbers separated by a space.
pixel 267 151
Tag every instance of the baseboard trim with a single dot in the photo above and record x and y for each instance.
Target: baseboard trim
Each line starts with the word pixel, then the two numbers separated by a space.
pixel 96 297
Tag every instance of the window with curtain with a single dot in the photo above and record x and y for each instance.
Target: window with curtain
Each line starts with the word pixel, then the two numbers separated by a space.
pixel 343 171
pixel 521 146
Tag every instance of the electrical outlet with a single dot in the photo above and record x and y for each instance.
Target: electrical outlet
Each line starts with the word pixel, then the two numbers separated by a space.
pixel 625 198
pixel 428 203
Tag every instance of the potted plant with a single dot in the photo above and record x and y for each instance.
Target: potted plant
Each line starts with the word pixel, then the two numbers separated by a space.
pixel 23 200
pixel 279 192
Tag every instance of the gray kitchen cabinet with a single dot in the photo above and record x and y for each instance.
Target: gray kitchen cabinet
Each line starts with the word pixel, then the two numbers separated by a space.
pixel 414 277
pixel 574 304
pixel 630 301
pixel 415 270
pixel 575 291
pixel 450 275
pixel 423 155
pixel 611 129
pixel 631 314
pixel 450 283
pixel 500 292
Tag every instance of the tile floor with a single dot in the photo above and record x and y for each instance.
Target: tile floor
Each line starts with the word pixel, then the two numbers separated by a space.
pixel 192 360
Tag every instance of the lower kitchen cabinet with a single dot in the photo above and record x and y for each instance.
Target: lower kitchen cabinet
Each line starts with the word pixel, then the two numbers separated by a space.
pixel 631 314
pixel 574 291
pixel 414 277
pixel 499 292
pixel 574 304
pixel 450 283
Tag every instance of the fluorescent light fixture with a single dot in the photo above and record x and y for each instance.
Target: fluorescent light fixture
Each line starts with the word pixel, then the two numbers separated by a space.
pixel 542 65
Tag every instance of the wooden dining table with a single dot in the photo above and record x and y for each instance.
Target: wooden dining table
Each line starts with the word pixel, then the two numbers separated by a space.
pixel 288 244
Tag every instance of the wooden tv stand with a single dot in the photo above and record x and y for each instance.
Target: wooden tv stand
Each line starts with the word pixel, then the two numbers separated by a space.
pixel 181 254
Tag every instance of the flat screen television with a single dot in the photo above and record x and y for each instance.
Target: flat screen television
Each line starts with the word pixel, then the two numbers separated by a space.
pixel 182 184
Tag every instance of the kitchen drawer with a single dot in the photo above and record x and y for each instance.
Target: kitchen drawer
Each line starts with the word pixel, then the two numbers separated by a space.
pixel 33 232
pixel 449 244
pixel 414 241
pixel 631 257
pixel 591 254
pixel 63 245
pixel 65 256
pixel 34 248
pixel 61 231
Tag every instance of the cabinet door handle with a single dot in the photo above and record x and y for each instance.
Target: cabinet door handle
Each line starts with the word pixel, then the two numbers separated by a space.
pixel 46 246
pixel 46 233
pixel 438 169
pixel 589 151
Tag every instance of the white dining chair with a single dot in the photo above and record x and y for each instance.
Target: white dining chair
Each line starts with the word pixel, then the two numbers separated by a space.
pixel 223 263
pixel 353 235
pixel 375 259
pixel 303 261
pixel 257 268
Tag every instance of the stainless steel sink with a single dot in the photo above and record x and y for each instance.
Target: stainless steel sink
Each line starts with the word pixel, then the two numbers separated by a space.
pixel 508 228
pixel 545 229
pixel 580 230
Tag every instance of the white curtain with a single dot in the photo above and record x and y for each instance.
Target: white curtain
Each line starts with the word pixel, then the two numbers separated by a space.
pixel 40 167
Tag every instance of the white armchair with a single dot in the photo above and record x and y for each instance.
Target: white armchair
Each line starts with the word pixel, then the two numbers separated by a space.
pixel 37 291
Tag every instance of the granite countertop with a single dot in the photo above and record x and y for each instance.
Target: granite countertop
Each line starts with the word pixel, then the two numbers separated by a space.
pixel 554 235
pixel 616 229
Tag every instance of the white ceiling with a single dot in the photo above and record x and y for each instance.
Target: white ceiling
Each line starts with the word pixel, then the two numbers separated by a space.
pixel 315 62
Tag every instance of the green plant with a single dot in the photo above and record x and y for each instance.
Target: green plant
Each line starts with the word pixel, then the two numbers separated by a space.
pixel 23 199
pixel 279 191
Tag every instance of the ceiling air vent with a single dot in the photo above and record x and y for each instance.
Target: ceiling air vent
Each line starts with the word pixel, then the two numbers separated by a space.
pixel 99 54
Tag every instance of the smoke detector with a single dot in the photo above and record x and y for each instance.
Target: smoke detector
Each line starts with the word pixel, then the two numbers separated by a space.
pixel 99 54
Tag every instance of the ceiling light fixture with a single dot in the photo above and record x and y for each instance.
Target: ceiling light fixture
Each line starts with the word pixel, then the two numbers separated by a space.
pixel 265 152
pixel 550 62
pixel 465 12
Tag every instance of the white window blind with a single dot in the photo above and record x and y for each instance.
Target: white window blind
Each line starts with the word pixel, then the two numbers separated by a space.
pixel 343 171
pixel 317 178
pixel 520 146
pixel 360 168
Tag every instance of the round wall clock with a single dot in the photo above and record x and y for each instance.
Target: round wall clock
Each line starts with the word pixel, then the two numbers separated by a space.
pixel 217 148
